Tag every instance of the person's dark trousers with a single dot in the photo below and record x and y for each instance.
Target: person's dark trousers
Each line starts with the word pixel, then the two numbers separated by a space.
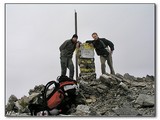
pixel 67 63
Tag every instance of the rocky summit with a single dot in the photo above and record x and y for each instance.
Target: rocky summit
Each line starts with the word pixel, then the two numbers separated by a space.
pixel 109 95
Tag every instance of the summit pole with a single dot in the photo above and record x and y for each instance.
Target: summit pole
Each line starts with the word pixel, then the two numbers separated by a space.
pixel 76 57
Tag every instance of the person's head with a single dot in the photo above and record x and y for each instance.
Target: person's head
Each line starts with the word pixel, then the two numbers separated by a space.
pixel 75 38
pixel 95 36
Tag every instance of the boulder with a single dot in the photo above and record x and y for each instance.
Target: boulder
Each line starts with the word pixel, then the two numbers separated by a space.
pixel 126 111
pixel 82 110
pixel 149 78
pixel 106 79
pixel 12 98
pixel 145 100
pixel 129 77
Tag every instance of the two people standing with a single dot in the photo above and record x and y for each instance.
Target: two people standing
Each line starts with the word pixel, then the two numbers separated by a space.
pixel 101 48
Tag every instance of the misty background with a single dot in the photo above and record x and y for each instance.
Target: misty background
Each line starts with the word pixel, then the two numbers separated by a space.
pixel 34 33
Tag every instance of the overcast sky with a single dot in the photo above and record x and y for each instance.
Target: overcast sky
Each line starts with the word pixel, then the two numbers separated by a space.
pixel 34 33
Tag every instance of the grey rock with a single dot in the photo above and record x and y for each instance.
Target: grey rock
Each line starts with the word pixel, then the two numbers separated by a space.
pixel 36 89
pixel 119 75
pixel 106 79
pixel 145 100
pixel 17 104
pixel 94 83
pixel 149 78
pixel 101 86
pixel 82 110
pixel 10 107
pixel 33 95
pixel 140 79
pixel 130 77
pixel 124 86
pixel 126 111
pixel 11 104
pixel 12 98
pixel 138 84
pixel 100 90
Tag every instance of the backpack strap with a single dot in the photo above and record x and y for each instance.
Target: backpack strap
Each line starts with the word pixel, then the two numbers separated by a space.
pixel 44 93
pixel 103 44
pixel 105 47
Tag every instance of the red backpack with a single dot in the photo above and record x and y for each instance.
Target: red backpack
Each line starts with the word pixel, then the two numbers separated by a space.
pixel 65 87
pixel 60 96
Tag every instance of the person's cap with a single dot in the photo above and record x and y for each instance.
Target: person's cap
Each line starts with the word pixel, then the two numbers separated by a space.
pixel 75 36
